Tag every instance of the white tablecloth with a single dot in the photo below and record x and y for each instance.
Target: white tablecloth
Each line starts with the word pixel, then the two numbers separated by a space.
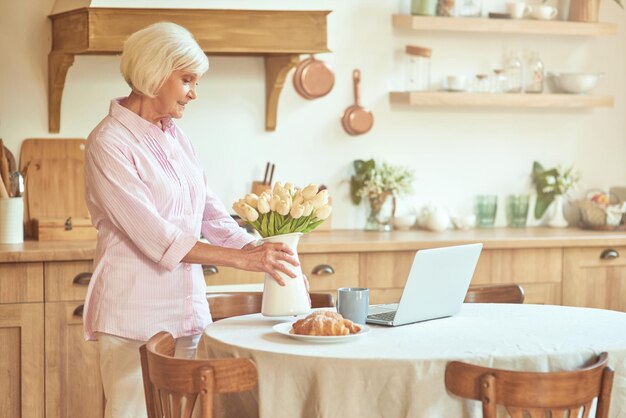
pixel 399 372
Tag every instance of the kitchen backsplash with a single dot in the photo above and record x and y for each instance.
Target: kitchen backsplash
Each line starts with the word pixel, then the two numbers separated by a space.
pixel 456 153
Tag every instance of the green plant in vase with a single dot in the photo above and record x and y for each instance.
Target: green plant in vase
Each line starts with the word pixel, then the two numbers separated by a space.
pixel 551 185
pixel 379 184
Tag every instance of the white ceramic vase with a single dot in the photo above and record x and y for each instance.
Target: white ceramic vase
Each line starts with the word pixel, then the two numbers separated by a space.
pixel 293 298
pixel 556 219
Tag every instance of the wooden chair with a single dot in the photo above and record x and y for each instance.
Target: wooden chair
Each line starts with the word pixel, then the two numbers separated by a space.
pixel 535 393
pixel 507 293
pixel 172 386
pixel 225 305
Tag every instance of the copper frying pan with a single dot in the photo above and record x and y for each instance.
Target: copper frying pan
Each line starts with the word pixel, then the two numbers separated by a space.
pixel 313 78
pixel 357 120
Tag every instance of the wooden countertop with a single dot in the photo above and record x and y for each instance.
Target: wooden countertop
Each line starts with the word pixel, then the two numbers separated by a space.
pixel 358 241
pixel 496 238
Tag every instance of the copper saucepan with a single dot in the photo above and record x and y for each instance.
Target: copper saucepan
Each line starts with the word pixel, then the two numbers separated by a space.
pixel 313 78
pixel 356 119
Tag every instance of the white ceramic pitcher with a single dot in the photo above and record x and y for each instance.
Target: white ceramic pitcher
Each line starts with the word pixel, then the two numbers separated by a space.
pixel 293 298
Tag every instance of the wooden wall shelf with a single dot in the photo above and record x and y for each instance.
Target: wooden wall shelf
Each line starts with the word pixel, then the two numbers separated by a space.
pixel 278 36
pixel 485 25
pixel 449 99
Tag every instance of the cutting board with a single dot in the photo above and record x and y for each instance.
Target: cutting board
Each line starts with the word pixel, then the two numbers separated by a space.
pixel 54 180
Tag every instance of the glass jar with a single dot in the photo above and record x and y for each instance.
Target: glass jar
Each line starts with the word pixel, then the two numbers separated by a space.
pixel 535 74
pixel 424 7
pixel 500 83
pixel 482 83
pixel 469 8
pixel 513 71
pixel 418 68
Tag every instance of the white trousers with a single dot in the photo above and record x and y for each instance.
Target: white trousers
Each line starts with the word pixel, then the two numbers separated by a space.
pixel 120 367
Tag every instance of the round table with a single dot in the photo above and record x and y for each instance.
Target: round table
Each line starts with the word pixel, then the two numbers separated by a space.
pixel 399 371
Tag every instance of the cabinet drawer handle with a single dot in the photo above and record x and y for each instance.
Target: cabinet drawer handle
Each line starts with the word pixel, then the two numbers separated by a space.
pixel 78 311
pixel 209 269
pixel 323 270
pixel 609 254
pixel 82 279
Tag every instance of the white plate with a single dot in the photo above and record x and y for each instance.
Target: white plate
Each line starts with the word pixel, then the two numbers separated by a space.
pixel 285 329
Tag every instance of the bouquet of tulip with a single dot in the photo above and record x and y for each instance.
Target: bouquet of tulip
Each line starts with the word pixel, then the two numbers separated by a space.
pixel 284 209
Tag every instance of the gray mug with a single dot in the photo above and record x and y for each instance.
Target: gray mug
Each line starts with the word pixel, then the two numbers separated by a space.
pixel 353 302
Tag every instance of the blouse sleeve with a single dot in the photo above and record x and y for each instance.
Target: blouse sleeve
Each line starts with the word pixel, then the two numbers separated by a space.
pixel 114 185
pixel 219 227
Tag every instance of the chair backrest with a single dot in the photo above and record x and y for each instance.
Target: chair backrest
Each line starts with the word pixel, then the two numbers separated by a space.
pixel 226 305
pixel 173 386
pixel 507 293
pixel 534 392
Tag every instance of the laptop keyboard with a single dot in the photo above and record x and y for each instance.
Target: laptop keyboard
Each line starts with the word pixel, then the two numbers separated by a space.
pixel 385 316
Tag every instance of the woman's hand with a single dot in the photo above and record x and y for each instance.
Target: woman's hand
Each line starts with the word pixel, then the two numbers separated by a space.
pixel 267 258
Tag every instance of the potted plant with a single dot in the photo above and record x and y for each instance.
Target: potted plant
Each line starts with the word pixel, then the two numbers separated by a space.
pixel 551 185
pixel 378 185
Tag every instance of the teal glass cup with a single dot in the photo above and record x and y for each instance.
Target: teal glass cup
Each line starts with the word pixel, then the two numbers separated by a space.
pixel 517 210
pixel 485 210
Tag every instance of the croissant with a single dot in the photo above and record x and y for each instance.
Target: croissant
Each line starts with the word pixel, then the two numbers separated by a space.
pixel 325 323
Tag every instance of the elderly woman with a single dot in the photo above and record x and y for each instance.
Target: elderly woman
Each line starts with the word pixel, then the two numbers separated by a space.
pixel 148 198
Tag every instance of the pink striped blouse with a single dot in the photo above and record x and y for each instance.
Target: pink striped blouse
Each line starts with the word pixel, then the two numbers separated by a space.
pixel 148 198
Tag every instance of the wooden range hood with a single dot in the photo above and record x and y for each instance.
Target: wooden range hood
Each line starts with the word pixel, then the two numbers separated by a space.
pixel 279 36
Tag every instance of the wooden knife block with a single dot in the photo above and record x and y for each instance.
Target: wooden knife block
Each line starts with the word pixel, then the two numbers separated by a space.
pixel 259 187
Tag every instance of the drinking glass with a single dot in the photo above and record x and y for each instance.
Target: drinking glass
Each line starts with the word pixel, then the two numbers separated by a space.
pixel 485 210
pixel 517 210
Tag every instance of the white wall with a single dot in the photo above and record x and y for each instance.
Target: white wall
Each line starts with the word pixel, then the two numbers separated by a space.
pixel 456 153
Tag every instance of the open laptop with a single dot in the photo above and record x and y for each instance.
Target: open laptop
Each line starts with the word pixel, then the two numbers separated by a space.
pixel 436 286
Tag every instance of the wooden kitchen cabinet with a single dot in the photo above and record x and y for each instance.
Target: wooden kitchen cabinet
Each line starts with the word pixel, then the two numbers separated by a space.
pixel 328 272
pixel 67 280
pixel 384 273
pixel 73 385
pixel 219 275
pixel 22 360
pixel 538 270
pixel 595 277
pixel 21 340
pixel 21 282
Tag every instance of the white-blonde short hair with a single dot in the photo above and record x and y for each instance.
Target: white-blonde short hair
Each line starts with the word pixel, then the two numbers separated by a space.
pixel 151 54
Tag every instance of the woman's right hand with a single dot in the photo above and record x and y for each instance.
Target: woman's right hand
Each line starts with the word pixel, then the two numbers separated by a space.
pixel 267 258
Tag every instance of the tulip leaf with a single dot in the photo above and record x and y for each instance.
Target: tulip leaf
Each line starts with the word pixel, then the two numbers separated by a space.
pixel 313 225
pixel 263 231
pixel 284 228
pixel 543 202
pixel 270 223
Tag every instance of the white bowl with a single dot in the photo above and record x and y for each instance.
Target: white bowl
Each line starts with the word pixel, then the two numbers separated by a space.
pixel 576 83
pixel 404 222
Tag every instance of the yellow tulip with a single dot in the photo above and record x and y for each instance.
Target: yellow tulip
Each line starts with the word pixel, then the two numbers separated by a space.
pixel 263 205
pixel 320 199
pixel 308 208
pixel 323 212
pixel 282 208
pixel 251 214
pixel 238 208
pixel 274 202
pixel 267 194
pixel 297 198
pixel 296 211
pixel 289 188
pixel 252 199
pixel 277 187
pixel 309 191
